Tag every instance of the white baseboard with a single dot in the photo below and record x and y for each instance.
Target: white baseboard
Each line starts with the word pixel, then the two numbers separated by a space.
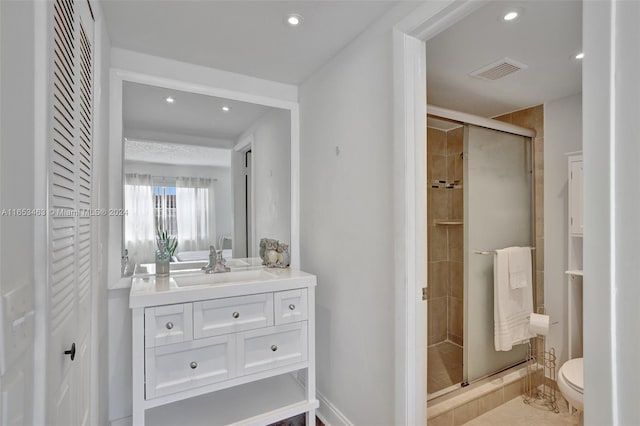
pixel 125 421
pixel 329 414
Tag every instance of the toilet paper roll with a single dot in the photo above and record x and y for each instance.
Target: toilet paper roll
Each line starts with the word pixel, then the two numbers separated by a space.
pixel 539 324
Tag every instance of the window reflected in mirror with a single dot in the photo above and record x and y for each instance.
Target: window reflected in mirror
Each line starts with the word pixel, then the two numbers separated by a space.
pixel 199 175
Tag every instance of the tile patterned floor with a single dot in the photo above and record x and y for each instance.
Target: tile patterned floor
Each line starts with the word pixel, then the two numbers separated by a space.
pixel 517 413
pixel 444 366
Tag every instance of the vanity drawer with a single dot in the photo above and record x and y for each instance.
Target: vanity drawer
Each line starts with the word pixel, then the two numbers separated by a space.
pixel 290 306
pixel 164 325
pixel 174 368
pixel 273 347
pixel 232 314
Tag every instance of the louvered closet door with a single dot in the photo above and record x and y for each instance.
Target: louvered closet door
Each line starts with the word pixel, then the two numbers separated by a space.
pixel 70 177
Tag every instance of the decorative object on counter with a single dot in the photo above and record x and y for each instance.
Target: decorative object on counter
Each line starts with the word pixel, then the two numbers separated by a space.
pixel 274 254
pixel 126 266
pixel 162 260
pixel 170 243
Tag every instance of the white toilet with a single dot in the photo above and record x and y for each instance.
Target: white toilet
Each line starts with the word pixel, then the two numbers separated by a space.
pixel 571 382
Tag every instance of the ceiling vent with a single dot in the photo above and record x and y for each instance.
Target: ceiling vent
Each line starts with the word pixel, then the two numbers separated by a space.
pixel 498 69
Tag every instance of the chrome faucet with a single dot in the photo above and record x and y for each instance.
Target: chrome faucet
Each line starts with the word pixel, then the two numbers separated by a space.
pixel 217 264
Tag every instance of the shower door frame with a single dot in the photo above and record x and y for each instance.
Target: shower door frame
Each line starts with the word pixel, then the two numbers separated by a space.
pixel 410 232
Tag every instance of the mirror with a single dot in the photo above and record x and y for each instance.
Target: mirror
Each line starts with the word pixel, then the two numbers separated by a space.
pixel 203 170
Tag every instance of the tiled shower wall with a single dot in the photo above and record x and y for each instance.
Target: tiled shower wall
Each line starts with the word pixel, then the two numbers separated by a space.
pixel 445 241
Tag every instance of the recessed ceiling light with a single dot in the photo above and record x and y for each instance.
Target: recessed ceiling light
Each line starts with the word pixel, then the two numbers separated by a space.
pixel 294 20
pixel 580 55
pixel 225 108
pixel 169 100
pixel 510 16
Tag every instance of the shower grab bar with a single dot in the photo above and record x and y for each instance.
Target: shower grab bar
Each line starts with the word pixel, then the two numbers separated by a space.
pixel 494 251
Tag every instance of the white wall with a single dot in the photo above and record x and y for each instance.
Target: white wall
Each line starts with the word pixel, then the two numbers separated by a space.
pixel 17 184
pixel 611 100
pixel 562 134
pixel 221 187
pixel 346 227
pixel 271 158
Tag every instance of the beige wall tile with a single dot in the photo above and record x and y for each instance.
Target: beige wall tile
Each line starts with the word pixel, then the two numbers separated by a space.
pixel 457 203
pixel 439 278
pixel 466 412
pixel 456 254
pixel 513 390
pixel 490 401
pixel 445 419
pixel 455 139
pixel 438 247
pixel 429 214
pixel 539 265
pixel 456 279
pixel 451 168
pixel 530 118
pixel 505 117
pixel 456 236
pixel 540 288
pixel 459 168
pixel 440 204
pixel 436 141
pixel 437 319
pixel 456 318
pixel 538 152
pixel 437 167
pixel 458 340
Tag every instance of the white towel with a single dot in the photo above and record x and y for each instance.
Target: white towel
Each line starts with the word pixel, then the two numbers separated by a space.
pixel 511 307
pixel 519 267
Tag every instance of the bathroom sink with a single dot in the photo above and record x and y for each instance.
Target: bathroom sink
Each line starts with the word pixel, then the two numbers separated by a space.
pixel 222 278
pixel 236 263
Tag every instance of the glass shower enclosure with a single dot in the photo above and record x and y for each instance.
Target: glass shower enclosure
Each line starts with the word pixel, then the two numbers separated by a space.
pixel 498 200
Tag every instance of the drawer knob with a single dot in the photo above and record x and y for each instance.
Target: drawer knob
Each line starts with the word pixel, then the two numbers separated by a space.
pixel 193 365
pixel 235 315
pixel 274 348
pixel 292 307
pixel 169 325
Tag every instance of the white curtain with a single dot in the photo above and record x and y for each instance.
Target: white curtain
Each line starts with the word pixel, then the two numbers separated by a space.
pixel 195 212
pixel 139 230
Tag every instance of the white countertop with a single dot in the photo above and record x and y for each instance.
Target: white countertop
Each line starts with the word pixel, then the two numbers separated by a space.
pixel 181 287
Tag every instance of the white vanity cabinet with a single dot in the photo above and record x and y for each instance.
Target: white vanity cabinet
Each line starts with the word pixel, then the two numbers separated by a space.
pixel 196 346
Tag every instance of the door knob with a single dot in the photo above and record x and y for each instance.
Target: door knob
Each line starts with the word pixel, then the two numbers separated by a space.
pixel 72 351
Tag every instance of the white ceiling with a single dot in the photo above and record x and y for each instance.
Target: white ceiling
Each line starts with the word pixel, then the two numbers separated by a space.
pixel 176 154
pixel 144 107
pixel 247 37
pixel 546 37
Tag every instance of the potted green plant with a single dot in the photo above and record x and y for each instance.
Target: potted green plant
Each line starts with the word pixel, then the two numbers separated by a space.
pixel 170 242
